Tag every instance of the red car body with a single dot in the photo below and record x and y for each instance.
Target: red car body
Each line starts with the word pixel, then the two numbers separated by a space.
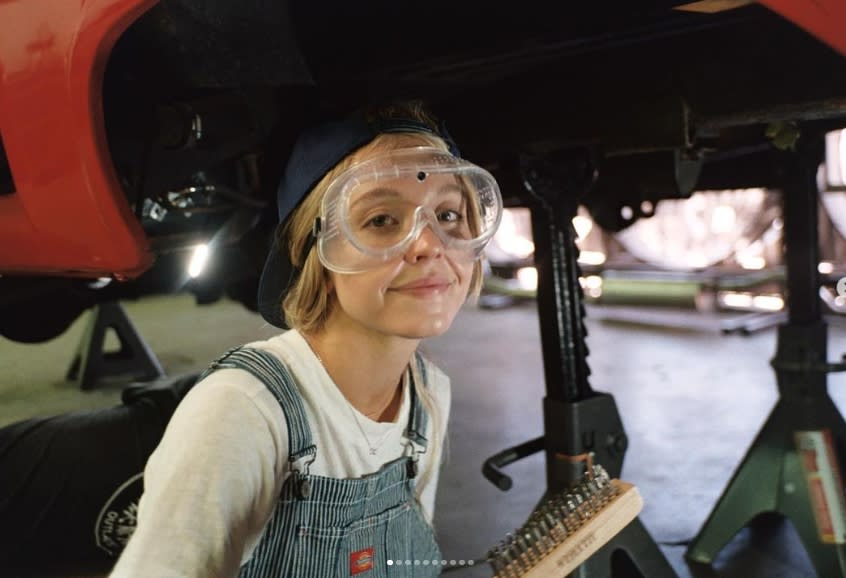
pixel 68 214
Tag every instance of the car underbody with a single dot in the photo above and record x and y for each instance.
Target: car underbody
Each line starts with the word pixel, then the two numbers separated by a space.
pixel 623 104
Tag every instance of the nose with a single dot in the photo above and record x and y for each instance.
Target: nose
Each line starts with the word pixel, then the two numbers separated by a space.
pixel 427 245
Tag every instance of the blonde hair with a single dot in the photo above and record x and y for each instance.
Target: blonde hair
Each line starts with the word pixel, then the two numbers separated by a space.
pixel 434 430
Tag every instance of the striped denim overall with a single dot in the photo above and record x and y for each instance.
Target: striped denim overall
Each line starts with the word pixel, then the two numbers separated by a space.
pixel 325 527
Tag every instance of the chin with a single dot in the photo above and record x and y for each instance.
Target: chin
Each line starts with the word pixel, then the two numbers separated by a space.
pixel 424 328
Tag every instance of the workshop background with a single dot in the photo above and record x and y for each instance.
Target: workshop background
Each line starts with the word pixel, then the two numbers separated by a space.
pixel 691 396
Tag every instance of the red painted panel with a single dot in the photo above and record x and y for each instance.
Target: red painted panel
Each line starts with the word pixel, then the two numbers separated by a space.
pixel 825 19
pixel 68 214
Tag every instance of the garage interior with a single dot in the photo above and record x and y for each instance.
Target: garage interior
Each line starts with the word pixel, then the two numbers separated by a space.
pixel 700 417
pixel 691 400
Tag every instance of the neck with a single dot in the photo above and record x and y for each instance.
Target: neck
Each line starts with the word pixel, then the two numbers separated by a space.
pixel 367 368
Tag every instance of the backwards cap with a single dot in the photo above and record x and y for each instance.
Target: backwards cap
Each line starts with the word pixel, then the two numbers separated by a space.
pixel 315 153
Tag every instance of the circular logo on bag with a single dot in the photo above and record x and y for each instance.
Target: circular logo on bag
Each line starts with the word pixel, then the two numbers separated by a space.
pixel 118 518
pixel 841 287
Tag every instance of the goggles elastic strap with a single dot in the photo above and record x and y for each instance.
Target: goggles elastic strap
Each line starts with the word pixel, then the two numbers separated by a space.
pixel 312 239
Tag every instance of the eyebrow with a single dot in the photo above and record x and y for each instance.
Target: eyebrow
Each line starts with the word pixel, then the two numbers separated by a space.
pixel 380 193
pixel 377 193
pixel 451 188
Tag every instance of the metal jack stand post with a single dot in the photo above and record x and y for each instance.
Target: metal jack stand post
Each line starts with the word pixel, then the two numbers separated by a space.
pixel 577 420
pixel 134 358
pixel 774 474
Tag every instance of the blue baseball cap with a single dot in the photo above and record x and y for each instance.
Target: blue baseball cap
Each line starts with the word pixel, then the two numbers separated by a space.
pixel 315 153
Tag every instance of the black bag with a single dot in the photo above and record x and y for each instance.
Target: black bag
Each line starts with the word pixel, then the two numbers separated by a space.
pixel 70 484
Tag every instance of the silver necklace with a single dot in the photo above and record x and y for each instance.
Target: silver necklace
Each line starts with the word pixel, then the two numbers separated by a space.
pixel 372 448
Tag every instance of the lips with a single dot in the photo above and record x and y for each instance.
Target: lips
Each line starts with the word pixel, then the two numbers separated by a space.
pixel 424 284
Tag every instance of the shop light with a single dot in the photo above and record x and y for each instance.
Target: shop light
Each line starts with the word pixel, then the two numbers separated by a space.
pixel 199 259
pixel 583 226
pixel 513 234
pixel 752 263
pixel 527 278
pixel 723 219
pixel 748 301
pixel 768 302
pixel 592 285
pixel 591 258
pixel 736 300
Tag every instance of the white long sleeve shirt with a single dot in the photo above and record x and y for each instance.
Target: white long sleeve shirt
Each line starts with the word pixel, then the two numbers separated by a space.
pixel 211 485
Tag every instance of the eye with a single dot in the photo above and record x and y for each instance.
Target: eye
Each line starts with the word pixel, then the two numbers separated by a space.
pixel 379 221
pixel 450 216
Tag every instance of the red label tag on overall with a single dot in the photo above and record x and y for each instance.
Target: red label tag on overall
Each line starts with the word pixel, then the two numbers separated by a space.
pixel 361 561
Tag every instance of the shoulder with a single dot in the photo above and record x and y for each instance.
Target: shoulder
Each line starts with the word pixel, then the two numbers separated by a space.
pixel 289 347
pixel 239 385
pixel 227 388
pixel 227 411
pixel 308 387
pixel 229 401
pixel 221 415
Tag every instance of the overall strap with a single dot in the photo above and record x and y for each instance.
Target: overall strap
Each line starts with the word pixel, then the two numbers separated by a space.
pixel 267 368
pixel 418 417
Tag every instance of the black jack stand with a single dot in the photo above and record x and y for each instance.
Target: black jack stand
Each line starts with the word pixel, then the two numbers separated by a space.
pixel 577 420
pixel 773 476
pixel 134 359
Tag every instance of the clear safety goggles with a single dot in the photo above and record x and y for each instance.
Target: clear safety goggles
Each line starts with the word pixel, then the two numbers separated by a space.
pixel 375 210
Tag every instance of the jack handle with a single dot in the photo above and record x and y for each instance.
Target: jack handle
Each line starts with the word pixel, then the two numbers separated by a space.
pixel 490 469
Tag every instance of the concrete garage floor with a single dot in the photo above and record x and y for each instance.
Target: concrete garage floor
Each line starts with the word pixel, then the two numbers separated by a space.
pixel 690 398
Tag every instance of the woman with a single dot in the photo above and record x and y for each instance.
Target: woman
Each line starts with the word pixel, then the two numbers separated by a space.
pixel 316 453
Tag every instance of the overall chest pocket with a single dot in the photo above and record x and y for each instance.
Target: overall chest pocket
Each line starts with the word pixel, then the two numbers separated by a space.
pixel 364 548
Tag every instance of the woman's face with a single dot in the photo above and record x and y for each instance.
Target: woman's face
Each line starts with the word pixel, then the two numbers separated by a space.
pixel 415 295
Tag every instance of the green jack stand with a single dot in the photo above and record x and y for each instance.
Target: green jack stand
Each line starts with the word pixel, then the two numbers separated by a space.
pixel 772 476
